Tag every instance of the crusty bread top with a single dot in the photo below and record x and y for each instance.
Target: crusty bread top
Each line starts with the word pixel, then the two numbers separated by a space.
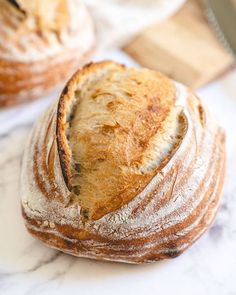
pixel 117 127
pixel 33 30
pixel 37 16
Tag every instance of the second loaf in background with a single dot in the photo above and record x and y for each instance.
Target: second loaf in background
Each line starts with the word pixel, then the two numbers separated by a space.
pixel 41 45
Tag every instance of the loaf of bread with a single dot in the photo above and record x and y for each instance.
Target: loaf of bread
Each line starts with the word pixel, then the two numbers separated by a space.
pixel 41 45
pixel 126 166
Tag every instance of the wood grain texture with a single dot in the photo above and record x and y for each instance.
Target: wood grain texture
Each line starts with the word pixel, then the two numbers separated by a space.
pixel 183 47
pixel 174 206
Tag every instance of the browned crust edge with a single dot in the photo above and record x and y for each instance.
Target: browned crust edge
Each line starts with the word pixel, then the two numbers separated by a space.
pixel 64 103
pixel 53 77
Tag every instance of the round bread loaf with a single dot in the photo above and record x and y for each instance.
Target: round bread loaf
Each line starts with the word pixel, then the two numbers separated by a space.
pixel 126 166
pixel 41 44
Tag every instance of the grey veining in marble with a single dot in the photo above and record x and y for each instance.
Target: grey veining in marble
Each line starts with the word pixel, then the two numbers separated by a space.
pixel 28 267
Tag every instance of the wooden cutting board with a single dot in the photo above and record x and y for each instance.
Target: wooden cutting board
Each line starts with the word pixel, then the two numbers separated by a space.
pixel 184 47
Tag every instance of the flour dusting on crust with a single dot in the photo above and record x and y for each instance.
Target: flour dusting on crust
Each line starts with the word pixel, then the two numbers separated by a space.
pixel 171 212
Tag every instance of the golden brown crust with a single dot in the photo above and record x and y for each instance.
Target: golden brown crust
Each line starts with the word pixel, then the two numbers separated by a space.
pixel 75 247
pixel 49 79
pixel 138 109
pixel 51 50
pixel 171 211
pixel 65 103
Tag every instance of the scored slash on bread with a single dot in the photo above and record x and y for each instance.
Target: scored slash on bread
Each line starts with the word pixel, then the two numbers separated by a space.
pixel 127 166
pixel 16 5
pixel 120 147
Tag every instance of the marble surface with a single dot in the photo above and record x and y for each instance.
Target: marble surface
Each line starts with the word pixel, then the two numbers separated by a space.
pixel 29 267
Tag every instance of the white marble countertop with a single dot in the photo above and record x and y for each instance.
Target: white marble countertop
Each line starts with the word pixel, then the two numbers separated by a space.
pixel 29 267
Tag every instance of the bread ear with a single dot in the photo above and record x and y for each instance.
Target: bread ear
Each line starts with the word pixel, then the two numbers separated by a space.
pixel 17 6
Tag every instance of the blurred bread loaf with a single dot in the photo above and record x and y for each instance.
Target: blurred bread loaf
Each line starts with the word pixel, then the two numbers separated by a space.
pixel 41 44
